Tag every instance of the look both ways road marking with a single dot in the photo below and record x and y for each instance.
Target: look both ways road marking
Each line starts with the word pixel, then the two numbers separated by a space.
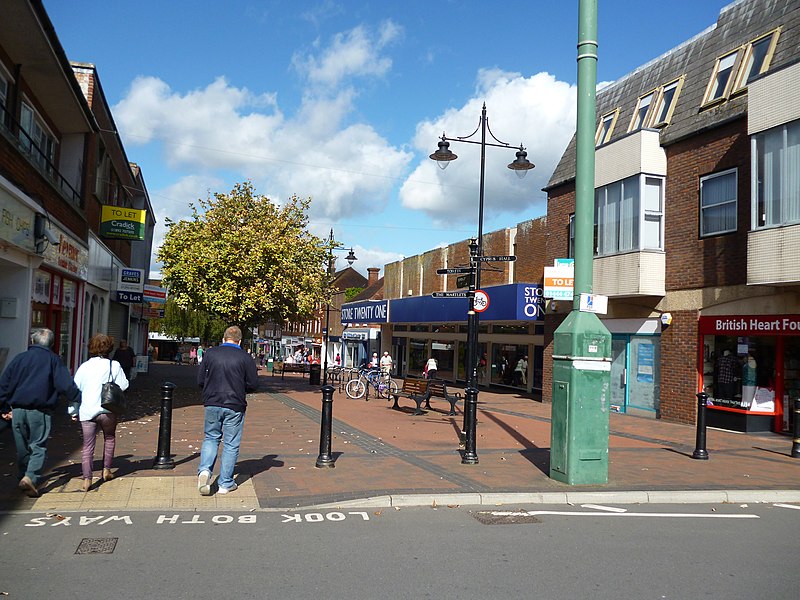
pixel 59 520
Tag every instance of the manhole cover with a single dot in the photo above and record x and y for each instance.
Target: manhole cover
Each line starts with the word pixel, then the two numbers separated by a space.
pixel 97 546
pixel 504 517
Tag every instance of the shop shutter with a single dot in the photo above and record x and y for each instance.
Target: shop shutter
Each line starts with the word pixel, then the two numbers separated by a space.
pixel 118 322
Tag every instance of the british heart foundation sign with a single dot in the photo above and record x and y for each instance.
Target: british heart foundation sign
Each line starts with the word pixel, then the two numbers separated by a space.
pixel 122 223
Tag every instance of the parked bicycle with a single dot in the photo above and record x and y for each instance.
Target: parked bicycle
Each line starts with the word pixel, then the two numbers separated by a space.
pixel 382 383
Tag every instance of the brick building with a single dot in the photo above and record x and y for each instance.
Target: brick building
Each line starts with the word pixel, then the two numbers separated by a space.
pixel 697 223
pixel 61 162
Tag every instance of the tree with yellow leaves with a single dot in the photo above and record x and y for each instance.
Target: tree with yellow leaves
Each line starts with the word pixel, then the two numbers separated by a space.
pixel 246 259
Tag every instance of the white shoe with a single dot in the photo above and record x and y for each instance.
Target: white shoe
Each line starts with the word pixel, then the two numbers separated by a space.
pixel 228 490
pixel 203 485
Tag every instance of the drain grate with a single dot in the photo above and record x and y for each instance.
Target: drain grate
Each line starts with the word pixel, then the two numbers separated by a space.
pixel 504 518
pixel 97 546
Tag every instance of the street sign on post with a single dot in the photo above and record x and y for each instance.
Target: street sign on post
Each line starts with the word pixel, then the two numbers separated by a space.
pixel 455 271
pixel 497 258
pixel 463 281
pixel 451 294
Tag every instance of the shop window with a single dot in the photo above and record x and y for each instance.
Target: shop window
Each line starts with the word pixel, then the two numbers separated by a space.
pixel 776 176
pixel 606 128
pixel 734 368
pixel 419 328
pixel 444 328
pixel 718 200
pixel 791 380
pixel 400 328
pixel 511 329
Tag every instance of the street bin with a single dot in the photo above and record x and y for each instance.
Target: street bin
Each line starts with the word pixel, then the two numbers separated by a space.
pixel 315 374
pixel 270 365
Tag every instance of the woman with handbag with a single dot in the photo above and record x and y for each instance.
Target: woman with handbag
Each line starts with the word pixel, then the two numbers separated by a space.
pixel 91 379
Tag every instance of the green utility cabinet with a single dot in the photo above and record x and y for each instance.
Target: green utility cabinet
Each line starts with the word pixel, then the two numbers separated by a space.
pixel 581 400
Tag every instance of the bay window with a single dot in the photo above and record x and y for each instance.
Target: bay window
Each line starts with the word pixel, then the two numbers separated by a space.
pixel 629 215
pixel 776 176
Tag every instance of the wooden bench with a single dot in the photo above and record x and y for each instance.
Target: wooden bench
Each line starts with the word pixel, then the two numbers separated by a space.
pixel 414 389
pixel 284 367
pixel 438 389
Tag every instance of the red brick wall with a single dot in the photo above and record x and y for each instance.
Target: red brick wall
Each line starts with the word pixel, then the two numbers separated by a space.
pixel 693 262
pixel 679 360
pixel 430 261
pixel 530 248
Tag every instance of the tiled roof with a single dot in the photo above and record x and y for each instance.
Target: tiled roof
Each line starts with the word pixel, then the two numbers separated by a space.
pixel 738 23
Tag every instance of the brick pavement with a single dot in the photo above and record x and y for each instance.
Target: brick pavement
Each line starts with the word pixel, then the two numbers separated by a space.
pixel 390 456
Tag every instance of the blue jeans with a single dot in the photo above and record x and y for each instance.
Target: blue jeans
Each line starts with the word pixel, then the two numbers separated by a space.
pixel 31 432
pixel 221 424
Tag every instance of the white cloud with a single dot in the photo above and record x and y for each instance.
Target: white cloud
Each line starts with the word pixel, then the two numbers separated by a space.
pixel 353 53
pixel 538 111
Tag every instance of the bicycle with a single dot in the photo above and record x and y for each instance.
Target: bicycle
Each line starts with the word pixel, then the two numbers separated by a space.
pixel 382 383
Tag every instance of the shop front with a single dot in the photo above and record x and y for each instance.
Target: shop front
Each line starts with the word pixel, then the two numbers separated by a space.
pixel 750 369
pixel 510 336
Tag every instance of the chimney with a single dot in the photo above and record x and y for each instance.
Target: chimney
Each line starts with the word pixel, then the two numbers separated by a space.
pixel 372 276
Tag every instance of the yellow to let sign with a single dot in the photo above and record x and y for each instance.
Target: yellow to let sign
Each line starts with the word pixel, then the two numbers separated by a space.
pixel 122 223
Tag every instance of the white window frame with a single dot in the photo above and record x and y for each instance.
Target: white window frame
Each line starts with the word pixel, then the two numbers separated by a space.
pixel 734 201
pixel 38 131
pixel 776 199
pixel 644 217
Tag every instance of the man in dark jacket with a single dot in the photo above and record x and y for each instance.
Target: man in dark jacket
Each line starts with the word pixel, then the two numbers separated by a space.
pixel 29 391
pixel 226 374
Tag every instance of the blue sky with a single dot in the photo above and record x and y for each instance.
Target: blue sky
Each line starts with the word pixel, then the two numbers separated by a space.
pixel 343 101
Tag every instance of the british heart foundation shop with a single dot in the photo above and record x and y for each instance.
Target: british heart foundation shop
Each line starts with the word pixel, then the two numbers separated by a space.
pixel 750 370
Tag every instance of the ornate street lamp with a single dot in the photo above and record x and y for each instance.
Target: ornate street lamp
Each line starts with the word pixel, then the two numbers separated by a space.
pixel 350 258
pixel 521 165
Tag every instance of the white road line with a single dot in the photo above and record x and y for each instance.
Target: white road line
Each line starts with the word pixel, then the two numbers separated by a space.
pixel 605 508
pixel 794 506
pixel 535 513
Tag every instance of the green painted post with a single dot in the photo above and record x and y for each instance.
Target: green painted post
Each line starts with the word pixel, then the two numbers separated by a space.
pixel 582 344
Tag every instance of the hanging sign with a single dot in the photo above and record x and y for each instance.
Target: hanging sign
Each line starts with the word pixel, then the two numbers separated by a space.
pixel 122 223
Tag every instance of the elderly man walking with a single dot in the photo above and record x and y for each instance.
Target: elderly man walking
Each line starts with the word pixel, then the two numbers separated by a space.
pixel 226 374
pixel 29 391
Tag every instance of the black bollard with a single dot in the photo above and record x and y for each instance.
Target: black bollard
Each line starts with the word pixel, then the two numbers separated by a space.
pixel 163 458
pixel 796 441
pixel 470 457
pixel 700 452
pixel 325 460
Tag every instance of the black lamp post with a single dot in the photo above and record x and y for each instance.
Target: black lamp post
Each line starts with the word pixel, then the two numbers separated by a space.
pixel 520 166
pixel 350 258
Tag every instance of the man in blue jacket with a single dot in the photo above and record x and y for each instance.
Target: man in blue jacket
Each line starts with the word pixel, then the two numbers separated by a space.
pixel 226 374
pixel 29 391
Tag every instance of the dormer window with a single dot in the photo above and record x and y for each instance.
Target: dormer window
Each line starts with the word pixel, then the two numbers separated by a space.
pixel 735 70
pixel 640 114
pixel 606 128
pixel 655 108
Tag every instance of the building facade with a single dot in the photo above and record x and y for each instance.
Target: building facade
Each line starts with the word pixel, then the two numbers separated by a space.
pixel 697 223
pixel 51 248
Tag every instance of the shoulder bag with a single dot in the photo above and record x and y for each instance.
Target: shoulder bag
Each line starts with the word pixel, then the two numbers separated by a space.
pixel 112 398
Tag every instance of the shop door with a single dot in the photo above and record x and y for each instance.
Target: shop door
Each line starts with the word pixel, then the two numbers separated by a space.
pixel 619 373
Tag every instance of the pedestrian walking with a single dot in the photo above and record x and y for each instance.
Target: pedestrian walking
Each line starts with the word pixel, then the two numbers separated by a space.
pixel 430 368
pixel 89 378
pixel 227 374
pixel 193 356
pixel 29 391
pixel 126 357
pixel 521 371
pixel 386 363
pixel 200 352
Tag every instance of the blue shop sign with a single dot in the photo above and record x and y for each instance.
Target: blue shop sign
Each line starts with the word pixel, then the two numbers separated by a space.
pixel 511 302
pixel 369 311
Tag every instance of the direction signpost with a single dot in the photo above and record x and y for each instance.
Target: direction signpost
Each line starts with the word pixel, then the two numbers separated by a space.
pixel 451 294
pixel 497 258
pixel 455 271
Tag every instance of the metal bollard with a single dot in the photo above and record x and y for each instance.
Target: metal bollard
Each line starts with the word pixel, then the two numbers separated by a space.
pixel 470 456
pixel 163 458
pixel 796 441
pixel 700 452
pixel 325 460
